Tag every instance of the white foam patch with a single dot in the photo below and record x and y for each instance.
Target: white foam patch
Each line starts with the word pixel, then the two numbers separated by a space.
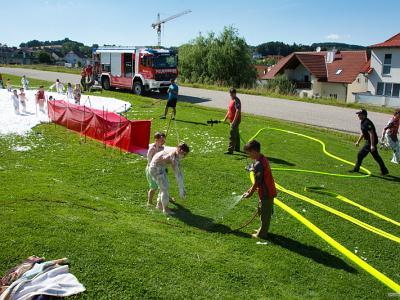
pixel 21 148
pixel 11 123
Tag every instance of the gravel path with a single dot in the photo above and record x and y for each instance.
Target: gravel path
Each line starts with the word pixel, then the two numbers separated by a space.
pixel 338 118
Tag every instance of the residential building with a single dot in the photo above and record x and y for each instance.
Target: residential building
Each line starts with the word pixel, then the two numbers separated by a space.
pixel 384 74
pixel 328 74
pixel 76 59
pixel 13 55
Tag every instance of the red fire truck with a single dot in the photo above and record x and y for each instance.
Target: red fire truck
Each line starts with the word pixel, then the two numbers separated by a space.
pixel 135 68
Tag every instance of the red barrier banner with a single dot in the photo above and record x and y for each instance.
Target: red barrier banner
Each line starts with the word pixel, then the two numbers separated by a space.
pixel 108 127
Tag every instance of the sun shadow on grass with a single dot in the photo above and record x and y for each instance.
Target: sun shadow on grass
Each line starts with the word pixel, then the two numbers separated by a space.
pixel 204 223
pixel 279 161
pixel 388 178
pixel 208 225
pixel 317 255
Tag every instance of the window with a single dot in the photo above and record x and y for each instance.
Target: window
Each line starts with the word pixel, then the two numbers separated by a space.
pixel 396 90
pixel 386 70
pixel 388 59
pixel 338 71
pixel 358 80
pixel 387 64
pixel 388 89
pixel 379 89
pixel 128 66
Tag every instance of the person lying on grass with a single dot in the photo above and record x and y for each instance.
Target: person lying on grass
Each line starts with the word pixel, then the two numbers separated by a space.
pixel 158 171
pixel 158 146
pixel 264 184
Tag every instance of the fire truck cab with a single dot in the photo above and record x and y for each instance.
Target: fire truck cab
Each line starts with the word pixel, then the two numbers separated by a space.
pixel 135 68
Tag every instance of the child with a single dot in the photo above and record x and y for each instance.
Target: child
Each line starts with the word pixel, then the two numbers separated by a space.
pixel 390 134
pixel 159 141
pixel 9 85
pixel 1 82
pixel 22 99
pixel 70 91
pixel 15 100
pixel 77 93
pixel 25 83
pixel 59 86
pixel 158 171
pixel 264 184
pixel 40 99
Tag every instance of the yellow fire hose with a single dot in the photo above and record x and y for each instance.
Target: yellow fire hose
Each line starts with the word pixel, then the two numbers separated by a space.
pixel 350 255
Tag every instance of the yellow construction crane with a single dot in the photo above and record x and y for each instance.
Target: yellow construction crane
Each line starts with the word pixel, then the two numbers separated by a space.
pixel 157 25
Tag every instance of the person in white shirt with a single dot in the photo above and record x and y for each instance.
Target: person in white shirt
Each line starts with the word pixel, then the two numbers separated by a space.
pixel 25 83
pixel 22 99
pixel 59 87
pixel 15 100
pixel 158 171
pixel 70 91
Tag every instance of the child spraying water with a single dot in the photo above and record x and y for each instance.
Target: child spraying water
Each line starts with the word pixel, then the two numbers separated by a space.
pixel 264 184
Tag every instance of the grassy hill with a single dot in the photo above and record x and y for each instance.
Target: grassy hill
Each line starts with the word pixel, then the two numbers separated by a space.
pixel 67 198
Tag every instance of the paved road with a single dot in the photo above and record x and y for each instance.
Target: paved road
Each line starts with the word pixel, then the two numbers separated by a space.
pixel 339 118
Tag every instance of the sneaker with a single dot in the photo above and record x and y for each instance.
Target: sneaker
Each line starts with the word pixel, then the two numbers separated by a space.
pixel 168 211
pixel 394 161
pixel 385 172
pixel 163 117
pixel 228 152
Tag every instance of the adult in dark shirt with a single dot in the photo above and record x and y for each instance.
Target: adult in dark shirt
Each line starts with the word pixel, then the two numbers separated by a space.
pixel 368 132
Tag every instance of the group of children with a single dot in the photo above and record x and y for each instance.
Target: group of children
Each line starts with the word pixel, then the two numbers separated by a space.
pixel 159 157
pixel 21 98
pixel 72 93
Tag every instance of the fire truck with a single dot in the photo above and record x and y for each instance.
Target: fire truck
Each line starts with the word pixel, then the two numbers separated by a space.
pixel 136 68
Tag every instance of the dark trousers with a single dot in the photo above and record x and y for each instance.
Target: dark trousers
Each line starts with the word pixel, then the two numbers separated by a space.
pixel 364 152
pixel 234 138
pixel 266 211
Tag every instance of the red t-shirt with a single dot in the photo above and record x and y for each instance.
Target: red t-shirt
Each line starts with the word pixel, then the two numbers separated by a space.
pixel 234 105
pixel 40 95
pixel 263 178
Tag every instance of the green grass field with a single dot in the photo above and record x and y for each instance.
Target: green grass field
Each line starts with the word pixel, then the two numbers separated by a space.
pixel 67 198
pixel 44 67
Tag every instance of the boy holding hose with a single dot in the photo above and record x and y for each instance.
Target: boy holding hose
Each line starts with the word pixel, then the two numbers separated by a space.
pixel 264 184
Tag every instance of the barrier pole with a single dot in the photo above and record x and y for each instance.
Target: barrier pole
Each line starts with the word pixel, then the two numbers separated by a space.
pixel 104 141
pixel 84 113
pixel 119 128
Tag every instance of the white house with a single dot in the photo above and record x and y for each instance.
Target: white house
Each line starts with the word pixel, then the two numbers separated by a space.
pixel 328 74
pixel 384 74
pixel 75 59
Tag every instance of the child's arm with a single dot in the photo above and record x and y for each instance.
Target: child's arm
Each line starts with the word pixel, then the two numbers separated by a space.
pixel 251 190
pixel 150 154
pixel 179 178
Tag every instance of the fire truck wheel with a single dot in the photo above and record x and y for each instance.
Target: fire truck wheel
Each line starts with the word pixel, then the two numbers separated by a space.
pixel 164 91
pixel 138 88
pixel 105 82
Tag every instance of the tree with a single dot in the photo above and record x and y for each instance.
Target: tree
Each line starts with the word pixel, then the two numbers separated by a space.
pixel 224 60
pixel 44 57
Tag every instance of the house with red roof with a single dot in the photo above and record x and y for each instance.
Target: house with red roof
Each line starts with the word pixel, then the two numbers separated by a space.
pixel 328 74
pixel 384 77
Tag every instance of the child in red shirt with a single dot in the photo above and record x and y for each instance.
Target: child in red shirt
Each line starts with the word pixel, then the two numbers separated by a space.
pixel 264 184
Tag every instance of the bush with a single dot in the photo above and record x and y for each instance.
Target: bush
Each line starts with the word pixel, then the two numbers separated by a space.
pixel 281 85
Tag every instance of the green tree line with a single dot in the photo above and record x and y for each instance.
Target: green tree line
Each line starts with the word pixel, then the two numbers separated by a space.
pixel 223 59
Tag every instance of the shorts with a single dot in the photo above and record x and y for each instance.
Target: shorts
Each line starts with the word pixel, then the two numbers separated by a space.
pixel 152 184
pixel 172 103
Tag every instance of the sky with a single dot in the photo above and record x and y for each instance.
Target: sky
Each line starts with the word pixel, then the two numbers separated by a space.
pixel 128 22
